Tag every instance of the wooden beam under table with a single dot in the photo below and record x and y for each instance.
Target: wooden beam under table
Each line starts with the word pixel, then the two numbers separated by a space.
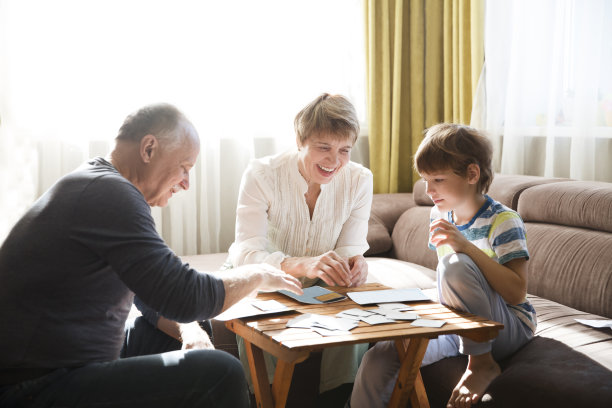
pixel 276 396
pixel 259 375
pixel 409 384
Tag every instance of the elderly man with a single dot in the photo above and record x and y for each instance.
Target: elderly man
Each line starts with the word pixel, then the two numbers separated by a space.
pixel 71 266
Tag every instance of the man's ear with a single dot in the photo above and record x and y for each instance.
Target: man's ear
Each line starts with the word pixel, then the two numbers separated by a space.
pixel 473 173
pixel 148 147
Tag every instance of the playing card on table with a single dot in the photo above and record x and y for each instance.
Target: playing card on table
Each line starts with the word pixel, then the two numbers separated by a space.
pixel 376 319
pixel 428 323
pixel 395 306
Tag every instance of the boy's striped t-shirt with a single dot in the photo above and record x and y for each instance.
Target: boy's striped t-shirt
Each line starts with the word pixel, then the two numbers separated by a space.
pixel 499 232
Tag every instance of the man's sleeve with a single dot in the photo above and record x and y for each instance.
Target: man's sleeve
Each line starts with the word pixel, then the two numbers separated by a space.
pixel 114 221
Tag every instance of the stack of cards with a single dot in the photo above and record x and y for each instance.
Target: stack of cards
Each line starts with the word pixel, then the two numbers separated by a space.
pixel 348 319
pixel 269 305
pixel 377 316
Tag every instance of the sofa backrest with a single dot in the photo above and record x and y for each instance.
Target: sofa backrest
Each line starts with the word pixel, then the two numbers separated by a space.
pixel 569 237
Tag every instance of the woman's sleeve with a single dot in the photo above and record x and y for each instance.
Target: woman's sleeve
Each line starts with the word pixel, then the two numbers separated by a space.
pixel 254 199
pixel 353 236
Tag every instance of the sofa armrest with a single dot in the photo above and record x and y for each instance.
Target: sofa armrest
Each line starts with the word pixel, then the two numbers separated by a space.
pixel 386 209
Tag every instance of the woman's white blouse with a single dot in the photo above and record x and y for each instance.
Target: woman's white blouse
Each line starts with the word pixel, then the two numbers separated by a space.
pixel 273 221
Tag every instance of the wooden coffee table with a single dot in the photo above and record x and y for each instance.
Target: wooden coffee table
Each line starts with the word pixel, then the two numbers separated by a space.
pixel 293 345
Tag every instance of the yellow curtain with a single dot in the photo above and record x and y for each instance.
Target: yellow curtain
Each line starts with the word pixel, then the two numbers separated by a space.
pixel 423 63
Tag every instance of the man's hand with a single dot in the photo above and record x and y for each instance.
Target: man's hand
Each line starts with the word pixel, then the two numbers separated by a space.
pixel 248 279
pixel 274 279
pixel 444 233
pixel 359 270
pixel 194 337
pixel 190 334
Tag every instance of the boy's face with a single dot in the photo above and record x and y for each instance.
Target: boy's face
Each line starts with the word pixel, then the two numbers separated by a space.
pixel 448 190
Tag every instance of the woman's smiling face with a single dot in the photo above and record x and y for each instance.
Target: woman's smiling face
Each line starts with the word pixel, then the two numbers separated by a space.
pixel 322 156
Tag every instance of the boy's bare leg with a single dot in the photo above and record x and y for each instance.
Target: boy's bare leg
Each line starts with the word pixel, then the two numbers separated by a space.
pixel 481 370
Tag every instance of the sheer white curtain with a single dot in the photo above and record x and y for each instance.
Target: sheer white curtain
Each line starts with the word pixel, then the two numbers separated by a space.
pixel 547 99
pixel 240 70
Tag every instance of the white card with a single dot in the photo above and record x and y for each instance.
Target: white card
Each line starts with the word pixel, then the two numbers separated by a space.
pixel 395 306
pixel 343 315
pixel 345 324
pixel 313 321
pixel 388 296
pixel 401 315
pixel 376 319
pixel 358 312
pixel 325 332
pixel 428 323
pixel 268 305
pixel 598 323
pixel 304 321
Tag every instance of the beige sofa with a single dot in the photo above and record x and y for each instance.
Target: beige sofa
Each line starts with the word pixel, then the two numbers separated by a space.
pixel 569 236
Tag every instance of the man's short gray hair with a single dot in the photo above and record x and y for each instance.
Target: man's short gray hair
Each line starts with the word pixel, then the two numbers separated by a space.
pixel 162 120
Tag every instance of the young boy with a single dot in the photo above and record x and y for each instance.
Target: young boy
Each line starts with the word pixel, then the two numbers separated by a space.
pixel 482 267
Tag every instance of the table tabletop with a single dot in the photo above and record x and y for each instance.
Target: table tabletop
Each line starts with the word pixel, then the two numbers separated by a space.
pixel 293 345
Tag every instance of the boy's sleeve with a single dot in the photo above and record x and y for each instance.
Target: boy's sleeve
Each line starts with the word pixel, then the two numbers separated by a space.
pixel 508 238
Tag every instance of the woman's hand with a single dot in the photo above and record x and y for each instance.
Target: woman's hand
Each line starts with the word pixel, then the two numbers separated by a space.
pixel 359 270
pixel 330 267
pixel 443 232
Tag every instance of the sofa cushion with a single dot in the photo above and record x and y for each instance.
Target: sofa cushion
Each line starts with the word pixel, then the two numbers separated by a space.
pixel 379 239
pixel 571 265
pixel 558 322
pixel 399 274
pixel 410 237
pixel 575 203
pixel 387 208
pixel 567 364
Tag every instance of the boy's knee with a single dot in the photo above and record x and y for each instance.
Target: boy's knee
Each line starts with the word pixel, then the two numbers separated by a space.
pixel 455 267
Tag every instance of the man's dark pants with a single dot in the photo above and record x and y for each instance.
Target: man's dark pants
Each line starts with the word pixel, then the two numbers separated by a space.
pixel 152 372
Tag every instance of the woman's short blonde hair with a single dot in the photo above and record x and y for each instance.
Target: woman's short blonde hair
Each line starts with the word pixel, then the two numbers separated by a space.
pixel 332 115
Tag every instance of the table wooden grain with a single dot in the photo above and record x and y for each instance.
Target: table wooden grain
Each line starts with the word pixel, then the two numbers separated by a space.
pixel 294 345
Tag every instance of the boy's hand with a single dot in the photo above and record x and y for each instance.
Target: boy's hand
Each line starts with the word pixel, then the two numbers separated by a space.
pixel 443 232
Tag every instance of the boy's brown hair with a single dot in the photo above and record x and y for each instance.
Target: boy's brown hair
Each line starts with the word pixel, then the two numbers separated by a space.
pixel 455 147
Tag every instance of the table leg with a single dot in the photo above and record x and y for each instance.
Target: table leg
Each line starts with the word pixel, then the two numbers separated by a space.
pixel 282 382
pixel 409 384
pixel 259 376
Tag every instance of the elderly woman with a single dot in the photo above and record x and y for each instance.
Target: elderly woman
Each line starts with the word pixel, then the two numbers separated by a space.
pixel 306 212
